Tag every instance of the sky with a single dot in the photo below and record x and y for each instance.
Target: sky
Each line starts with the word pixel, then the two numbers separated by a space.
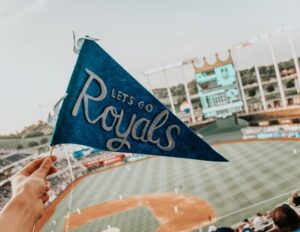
pixel 36 57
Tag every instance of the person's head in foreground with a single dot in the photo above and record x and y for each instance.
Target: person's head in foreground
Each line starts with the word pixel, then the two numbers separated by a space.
pixel 224 229
pixel 295 194
pixel 286 219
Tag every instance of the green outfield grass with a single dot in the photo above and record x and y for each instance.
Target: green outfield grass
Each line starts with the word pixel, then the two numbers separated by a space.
pixel 258 176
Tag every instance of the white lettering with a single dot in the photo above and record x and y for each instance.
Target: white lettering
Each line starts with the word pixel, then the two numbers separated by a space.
pixel 140 129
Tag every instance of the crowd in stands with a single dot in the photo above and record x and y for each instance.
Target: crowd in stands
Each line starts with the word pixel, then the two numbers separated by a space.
pixel 284 218
pixel 58 184
pixel 271 131
pixel 5 194
pixel 59 181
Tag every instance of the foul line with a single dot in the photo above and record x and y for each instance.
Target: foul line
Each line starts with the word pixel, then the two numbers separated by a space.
pixel 257 204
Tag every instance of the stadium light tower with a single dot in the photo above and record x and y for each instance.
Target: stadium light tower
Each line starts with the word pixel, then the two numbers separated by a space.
pixel 279 81
pixel 261 90
pixel 164 70
pixel 149 84
pixel 234 60
pixel 188 96
pixel 169 91
pixel 268 37
pixel 287 30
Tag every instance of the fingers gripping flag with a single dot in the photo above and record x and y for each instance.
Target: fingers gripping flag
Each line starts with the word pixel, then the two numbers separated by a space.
pixel 106 108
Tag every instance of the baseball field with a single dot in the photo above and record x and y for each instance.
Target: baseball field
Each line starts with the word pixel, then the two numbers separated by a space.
pixel 173 194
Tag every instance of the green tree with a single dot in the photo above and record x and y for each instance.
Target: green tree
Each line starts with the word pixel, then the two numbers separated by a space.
pixel 252 92
pixel 43 140
pixel 270 88
pixel 33 144
pixel 290 84
pixel 19 147
pixel 34 134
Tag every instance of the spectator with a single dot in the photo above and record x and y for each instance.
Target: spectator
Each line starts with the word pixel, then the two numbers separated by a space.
pixel 294 199
pixel 224 229
pixel 212 228
pixel 247 230
pixel 246 224
pixel 286 219
pixel 259 221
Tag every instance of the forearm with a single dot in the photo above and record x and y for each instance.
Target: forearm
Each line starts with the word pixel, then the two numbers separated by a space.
pixel 17 216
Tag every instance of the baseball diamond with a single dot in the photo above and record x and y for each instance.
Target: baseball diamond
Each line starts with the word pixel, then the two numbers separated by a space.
pixel 235 190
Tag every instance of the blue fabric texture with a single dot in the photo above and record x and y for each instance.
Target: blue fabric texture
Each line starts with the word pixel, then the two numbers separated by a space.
pixel 107 108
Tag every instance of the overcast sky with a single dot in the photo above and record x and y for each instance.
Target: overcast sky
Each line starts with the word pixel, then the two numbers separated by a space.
pixel 36 57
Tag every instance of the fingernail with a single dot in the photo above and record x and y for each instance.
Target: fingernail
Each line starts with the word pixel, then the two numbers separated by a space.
pixel 48 161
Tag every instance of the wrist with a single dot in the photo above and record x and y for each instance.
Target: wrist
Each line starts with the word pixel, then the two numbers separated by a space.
pixel 20 203
pixel 18 214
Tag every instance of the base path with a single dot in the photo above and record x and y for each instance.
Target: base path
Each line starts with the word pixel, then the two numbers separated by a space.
pixel 174 212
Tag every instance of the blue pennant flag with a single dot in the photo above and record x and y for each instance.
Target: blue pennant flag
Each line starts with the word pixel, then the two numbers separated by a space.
pixel 107 108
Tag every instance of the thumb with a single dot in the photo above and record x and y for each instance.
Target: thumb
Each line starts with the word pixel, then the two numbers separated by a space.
pixel 44 168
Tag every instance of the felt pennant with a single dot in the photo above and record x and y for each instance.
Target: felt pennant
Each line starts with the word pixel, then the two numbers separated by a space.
pixel 106 108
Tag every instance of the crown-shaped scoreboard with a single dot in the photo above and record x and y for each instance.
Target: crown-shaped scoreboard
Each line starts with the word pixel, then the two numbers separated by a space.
pixel 218 88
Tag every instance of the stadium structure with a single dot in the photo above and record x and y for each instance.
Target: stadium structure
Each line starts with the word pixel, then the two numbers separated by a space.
pixel 250 116
pixel 149 193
